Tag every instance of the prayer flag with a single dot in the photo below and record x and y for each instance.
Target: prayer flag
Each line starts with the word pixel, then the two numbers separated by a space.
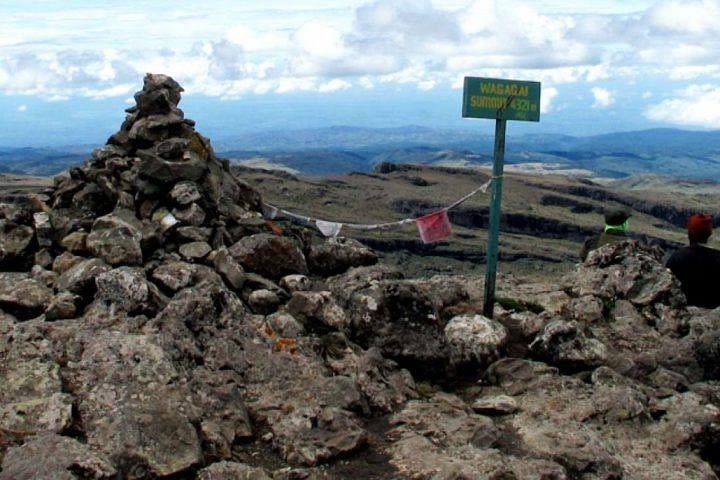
pixel 434 227
pixel 329 229
pixel 269 212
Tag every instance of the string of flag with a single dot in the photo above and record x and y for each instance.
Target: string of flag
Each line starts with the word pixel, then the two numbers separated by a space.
pixel 432 227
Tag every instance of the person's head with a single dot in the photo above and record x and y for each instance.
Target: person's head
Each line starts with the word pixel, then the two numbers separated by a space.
pixel 699 228
pixel 616 220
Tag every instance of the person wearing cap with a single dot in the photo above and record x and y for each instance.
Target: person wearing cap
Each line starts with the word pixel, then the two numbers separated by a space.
pixel 697 266
pixel 616 225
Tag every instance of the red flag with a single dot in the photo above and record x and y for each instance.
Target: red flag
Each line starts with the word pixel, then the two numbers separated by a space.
pixel 434 227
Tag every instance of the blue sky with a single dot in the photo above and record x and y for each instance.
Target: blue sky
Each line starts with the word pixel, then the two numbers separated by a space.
pixel 67 69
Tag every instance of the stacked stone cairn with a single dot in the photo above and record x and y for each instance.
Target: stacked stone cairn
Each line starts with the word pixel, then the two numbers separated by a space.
pixel 153 325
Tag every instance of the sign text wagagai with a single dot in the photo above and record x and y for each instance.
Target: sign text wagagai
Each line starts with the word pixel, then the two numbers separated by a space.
pixel 501 99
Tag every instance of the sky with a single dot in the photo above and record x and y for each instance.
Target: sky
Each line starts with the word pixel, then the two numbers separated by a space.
pixel 68 68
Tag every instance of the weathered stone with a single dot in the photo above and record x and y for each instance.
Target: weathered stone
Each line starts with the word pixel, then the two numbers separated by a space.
pixel 62 306
pixel 229 269
pixel 43 258
pixel 65 261
pixel 497 405
pixel 285 325
pixel 23 296
pixel 232 471
pixel 116 241
pixel 127 288
pixel 169 171
pixel 195 251
pixel 269 255
pixel 295 283
pixel 52 457
pixel 185 193
pixel 263 301
pixel 43 229
pixel 317 310
pixel 75 242
pixel 337 255
pixel 474 338
pixel 586 309
pixel 15 244
pixel 569 344
pixel 174 275
pixel 191 215
pixel 80 278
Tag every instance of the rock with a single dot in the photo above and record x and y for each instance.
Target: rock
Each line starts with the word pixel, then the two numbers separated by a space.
pixel 52 457
pixel 15 245
pixel 167 171
pixel 295 283
pixel 317 310
pixel 229 269
pixel 62 306
pixel 116 241
pixel 23 296
pixel 174 275
pixel 263 301
pixel 192 215
pixel 193 234
pixel 128 289
pixel 185 193
pixel 497 405
pixel 285 325
pixel 133 407
pixel 44 258
pixel 32 400
pixel 627 270
pixel 474 338
pixel 337 255
pixel 232 471
pixel 80 278
pixel 43 229
pixel 568 344
pixel 64 262
pixel 195 251
pixel 269 255
pixel 586 309
pixel 75 242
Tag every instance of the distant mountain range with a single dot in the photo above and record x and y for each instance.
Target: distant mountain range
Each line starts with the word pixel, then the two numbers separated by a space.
pixel 336 150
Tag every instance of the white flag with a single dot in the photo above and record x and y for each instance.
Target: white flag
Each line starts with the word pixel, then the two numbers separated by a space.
pixel 329 229
pixel 269 212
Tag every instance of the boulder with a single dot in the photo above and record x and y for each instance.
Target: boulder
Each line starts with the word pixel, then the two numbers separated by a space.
pixel 15 245
pixel 495 405
pixel 75 242
pixel 174 275
pixel 475 339
pixel 232 471
pixel 337 255
pixel 229 269
pixel 194 251
pixel 115 240
pixel 62 306
pixel 269 255
pixel 23 296
pixel 295 283
pixel 568 344
pixel 193 215
pixel 264 301
pixel 80 278
pixel 52 457
pixel 183 193
pixel 317 311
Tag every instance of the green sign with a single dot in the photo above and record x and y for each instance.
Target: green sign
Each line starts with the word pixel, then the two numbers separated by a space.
pixel 501 99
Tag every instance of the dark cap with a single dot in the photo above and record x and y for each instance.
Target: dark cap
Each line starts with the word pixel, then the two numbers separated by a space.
pixel 616 217
pixel 699 228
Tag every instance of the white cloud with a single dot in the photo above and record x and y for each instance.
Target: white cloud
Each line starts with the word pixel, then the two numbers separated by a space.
pixel 647 94
pixel 547 96
pixel 22 108
pixel 240 50
pixel 603 97
pixel 696 105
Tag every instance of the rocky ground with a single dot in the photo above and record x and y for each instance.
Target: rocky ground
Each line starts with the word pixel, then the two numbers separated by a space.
pixel 153 325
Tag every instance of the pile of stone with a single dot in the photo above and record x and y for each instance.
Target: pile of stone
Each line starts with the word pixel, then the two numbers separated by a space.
pixel 154 325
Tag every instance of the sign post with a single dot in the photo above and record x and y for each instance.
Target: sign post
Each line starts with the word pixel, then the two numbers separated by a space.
pixel 501 100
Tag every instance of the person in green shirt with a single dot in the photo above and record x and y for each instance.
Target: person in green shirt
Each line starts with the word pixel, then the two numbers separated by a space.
pixel 616 226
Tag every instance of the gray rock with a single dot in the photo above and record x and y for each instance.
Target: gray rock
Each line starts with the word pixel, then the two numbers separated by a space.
pixel 43 258
pixel 129 290
pixel 75 242
pixel 193 234
pixel 195 251
pixel 269 255
pixel 232 471
pixel 285 325
pixel 191 215
pixel 337 255
pixel 43 229
pixel 185 193
pixel 80 278
pixel 497 405
pixel 23 296
pixel 174 275
pixel 164 171
pixel 116 241
pixel 229 269
pixel 318 310
pixel 65 261
pixel 295 283
pixel 569 344
pixel 63 306
pixel 474 338
pixel 263 301
pixel 585 309
pixel 15 244
pixel 52 457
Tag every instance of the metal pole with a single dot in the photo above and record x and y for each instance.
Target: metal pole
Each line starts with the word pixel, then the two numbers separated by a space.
pixel 494 226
